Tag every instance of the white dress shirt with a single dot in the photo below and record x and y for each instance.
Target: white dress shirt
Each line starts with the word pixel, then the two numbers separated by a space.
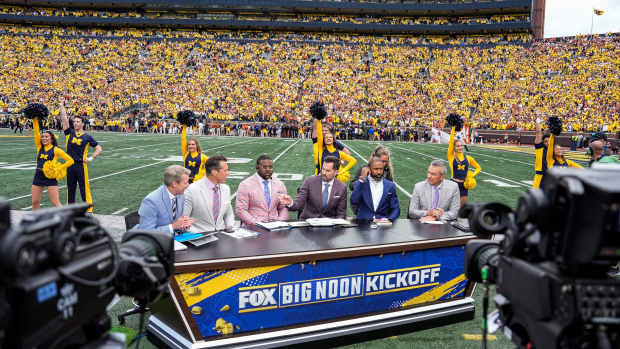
pixel 376 191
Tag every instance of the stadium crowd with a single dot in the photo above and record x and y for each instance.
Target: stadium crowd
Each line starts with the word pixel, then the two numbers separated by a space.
pixel 502 87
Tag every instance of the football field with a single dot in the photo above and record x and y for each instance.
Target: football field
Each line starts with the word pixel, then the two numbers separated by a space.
pixel 132 165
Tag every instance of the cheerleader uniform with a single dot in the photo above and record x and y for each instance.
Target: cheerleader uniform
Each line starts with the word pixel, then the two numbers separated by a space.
pixel 193 161
pixel 46 153
pixel 321 151
pixel 459 165
pixel 544 160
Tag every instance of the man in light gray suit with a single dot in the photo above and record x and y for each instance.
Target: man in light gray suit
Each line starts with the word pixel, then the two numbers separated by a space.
pixel 435 199
pixel 162 209
pixel 207 200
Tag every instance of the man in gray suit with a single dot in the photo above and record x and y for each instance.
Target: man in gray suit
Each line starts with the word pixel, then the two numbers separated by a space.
pixel 208 199
pixel 162 209
pixel 435 199
pixel 321 196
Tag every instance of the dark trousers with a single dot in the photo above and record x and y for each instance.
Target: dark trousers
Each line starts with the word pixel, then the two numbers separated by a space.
pixel 77 174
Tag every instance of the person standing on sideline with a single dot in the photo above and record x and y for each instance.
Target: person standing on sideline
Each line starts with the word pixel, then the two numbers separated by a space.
pixel 193 158
pixel 76 143
pixel 460 162
pixel 47 150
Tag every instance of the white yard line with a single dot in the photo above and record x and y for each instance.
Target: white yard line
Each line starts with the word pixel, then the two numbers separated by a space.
pixel 284 151
pixel 397 185
pixel 486 173
pixel 119 211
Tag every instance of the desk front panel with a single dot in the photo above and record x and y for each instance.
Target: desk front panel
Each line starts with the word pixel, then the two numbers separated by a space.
pixel 241 300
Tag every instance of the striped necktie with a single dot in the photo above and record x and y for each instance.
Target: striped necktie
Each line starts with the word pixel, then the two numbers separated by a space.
pixel 216 202
pixel 174 208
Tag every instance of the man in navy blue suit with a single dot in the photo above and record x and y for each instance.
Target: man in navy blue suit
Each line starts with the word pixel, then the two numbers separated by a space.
pixel 375 196
pixel 162 209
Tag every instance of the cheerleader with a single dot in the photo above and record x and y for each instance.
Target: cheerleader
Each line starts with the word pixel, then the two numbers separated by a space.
pixel 193 158
pixel 544 157
pixel 323 145
pixel 49 170
pixel 460 162
pixel 559 159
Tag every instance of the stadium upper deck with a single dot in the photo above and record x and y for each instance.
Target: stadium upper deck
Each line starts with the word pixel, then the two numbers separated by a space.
pixel 375 18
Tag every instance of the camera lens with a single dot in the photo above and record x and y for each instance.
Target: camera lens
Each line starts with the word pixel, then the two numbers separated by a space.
pixel 491 221
pixel 489 217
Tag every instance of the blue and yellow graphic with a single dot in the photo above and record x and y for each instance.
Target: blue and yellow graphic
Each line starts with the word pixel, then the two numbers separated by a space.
pixel 248 299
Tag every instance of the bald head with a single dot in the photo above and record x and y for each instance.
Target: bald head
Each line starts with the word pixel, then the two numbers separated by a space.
pixel 597 147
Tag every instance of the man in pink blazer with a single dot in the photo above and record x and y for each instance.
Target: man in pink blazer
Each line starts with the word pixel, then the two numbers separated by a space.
pixel 257 196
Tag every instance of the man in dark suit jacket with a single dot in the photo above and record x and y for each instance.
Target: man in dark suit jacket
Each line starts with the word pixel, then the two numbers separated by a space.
pixel 376 197
pixel 321 196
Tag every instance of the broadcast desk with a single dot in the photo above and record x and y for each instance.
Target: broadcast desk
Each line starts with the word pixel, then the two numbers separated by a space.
pixel 310 284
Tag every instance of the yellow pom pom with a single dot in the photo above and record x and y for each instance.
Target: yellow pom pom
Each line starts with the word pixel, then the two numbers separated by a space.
pixel 343 176
pixel 470 183
pixel 53 169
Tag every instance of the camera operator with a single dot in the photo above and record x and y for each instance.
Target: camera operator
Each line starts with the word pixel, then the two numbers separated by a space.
pixel 597 150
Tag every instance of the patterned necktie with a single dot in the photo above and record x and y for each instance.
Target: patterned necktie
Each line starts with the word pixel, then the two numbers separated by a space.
pixel 325 194
pixel 216 202
pixel 174 208
pixel 435 197
pixel 267 194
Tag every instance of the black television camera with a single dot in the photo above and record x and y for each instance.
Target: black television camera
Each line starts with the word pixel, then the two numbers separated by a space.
pixel 59 270
pixel 552 267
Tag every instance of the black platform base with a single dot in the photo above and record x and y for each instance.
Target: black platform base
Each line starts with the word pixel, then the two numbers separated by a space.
pixel 166 330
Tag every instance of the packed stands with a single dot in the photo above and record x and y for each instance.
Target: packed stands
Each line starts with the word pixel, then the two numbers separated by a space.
pixel 499 81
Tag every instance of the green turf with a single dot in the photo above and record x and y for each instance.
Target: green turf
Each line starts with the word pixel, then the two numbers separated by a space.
pixel 132 165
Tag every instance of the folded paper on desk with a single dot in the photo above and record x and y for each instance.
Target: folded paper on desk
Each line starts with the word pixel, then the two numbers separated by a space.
pixel 327 222
pixel 274 225
pixel 433 222
pixel 299 224
pixel 241 233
